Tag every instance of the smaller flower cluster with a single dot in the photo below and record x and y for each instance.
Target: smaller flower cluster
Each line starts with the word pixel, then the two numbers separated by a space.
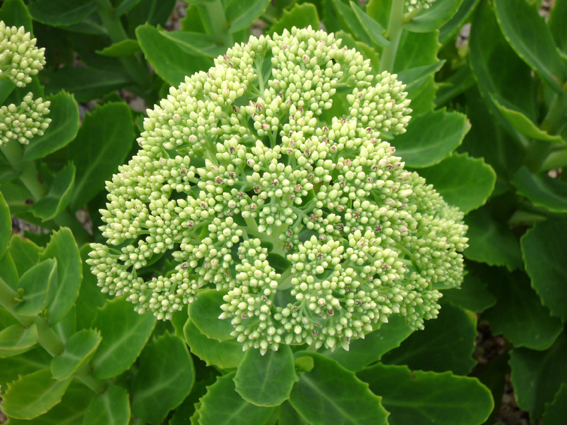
pixel 23 122
pixel 412 5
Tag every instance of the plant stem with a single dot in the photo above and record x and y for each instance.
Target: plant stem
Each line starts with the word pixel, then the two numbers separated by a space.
pixel 214 20
pixel 97 385
pixel 538 151
pixel 393 34
pixel 47 337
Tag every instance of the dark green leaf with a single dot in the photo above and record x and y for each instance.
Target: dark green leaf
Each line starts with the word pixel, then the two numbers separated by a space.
pixel 426 397
pixel 454 25
pixel 14 13
pixel 12 368
pixel 446 344
pixel 24 253
pixel 90 298
pixel 152 12
pixel 79 349
pixel 471 295
pixel 205 312
pixel 462 181
pixel 329 394
pixel 100 147
pixel 69 273
pixel 125 6
pixel 124 334
pixel 529 36
pixel 223 406
pixel 538 375
pixel 542 190
pixel 348 20
pixel 415 76
pixel 491 242
pixel 363 352
pixel 32 395
pixel 266 380
pixel 38 285
pixel 123 48
pixel 494 376
pixel 64 114
pixel 299 15
pixel 433 17
pixel 17 339
pixel 556 24
pixel 430 137
pixel 165 377
pixel 195 44
pixel 59 195
pixel 556 411
pixel 544 252
pixel 62 12
pixel 241 15
pixel 374 30
pixel 456 84
pixel 110 407
pixel 5 225
pixel 518 313
pixel 290 416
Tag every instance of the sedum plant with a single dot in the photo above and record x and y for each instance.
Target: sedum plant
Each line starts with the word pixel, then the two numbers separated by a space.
pixel 312 225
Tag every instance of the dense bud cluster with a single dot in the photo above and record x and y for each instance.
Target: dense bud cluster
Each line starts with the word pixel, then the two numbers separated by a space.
pixel 19 60
pixel 309 222
pixel 412 5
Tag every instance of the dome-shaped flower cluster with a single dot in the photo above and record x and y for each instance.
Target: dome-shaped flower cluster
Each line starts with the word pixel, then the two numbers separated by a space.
pixel 309 222
pixel 24 121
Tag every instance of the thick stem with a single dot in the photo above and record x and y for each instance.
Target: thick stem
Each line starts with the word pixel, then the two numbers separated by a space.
pixel 97 385
pixel 214 20
pixel 47 338
pixel 393 34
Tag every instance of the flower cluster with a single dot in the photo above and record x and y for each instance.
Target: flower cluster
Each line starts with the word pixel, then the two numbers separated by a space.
pixel 412 5
pixel 19 60
pixel 309 222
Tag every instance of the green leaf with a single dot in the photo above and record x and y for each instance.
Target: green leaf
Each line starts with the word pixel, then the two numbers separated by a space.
pixel 556 411
pixel 59 195
pixel 348 20
pixel 205 312
pixel 491 242
pixel 152 12
pixel 5 225
pixel 414 77
pixel 366 51
pixel 194 43
pixel 299 15
pixel 241 15
pixel 446 344
pixel 226 355
pixel 79 349
pixel 37 285
pixel 121 49
pixel 290 416
pixel 222 405
pixel 110 407
pixel 430 137
pixel 62 12
pixel 471 295
pixel 32 395
pixel 494 376
pixel 90 298
pixel 124 6
pixel 330 394
pixel 542 190
pixel 14 13
pixel 69 273
pixel 169 60
pixel 433 17
pixel 165 377
pixel 462 181
pixel 363 352
pixel 374 30
pixel 544 251
pixel 454 25
pixel 64 114
pixel 8 271
pixel 456 84
pixel 12 368
pixel 426 397
pixel 124 334
pixel 556 24
pixel 538 375
pixel 17 339
pixel 518 313
pixel 266 380
pixel 104 140
pixel 529 36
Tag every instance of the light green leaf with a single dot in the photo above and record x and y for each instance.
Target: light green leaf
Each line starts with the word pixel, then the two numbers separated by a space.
pixel 241 15
pixel 414 77
pixel 110 407
pixel 101 145
pixel 299 15
pixel 194 43
pixel 5 225
pixel 374 30
pixel 32 395
pixel 544 251
pixel 363 352
pixel 59 195
pixel 542 190
pixel 79 349
pixel 266 380
pixel 462 181
pixel 124 334
pixel 491 242
pixel 430 137
pixel 38 285
pixel 121 49
pixel 165 377
pixel 556 411
pixel 226 355
pixel 433 17
pixel 538 375
pixel 63 247
pixel 205 312
pixel 330 394
pixel 11 368
pixel 471 295
pixel 8 271
pixel 15 13
pixel 453 25
pixel 518 313
pixel 446 344
pixel 62 12
pixel 64 114
pixel 426 397
pixel 529 36
pixel 17 339
pixel 222 405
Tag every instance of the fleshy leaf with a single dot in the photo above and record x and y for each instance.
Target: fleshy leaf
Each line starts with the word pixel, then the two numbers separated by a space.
pixel 62 12
pixel 374 30
pixel 38 285
pixel 17 339
pixel 79 349
pixel 15 13
pixel 121 49
pixel 299 15
pixel 556 411
pixel 5 225
pixel 59 195
pixel 433 17
pixel 242 14
pixel 110 407
pixel 205 312
pixel 471 295
pixel 453 25
pixel 542 190
pixel 25 253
